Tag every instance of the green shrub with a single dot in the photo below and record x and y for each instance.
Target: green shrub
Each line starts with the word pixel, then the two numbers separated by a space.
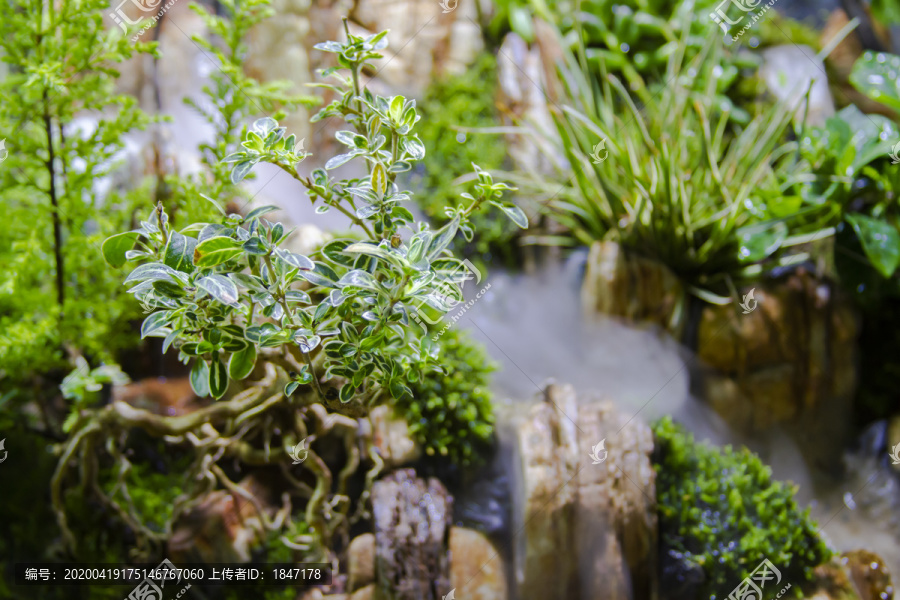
pixel 450 411
pixel 55 293
pixel 721 510
pixel 465 100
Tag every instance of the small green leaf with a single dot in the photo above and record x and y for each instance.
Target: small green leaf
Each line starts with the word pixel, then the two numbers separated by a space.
pixel 396 110
pixel 515 214
pixel 258 212
pixel 880 241
pixel 241 363
pixel 151 272
pixel 200 378
pixel 875 75
pixel 115 247
pixel 347 393
pixel 443 238
pixel 180 252
pixel 220 287
pixel 291 387
pixel 154 325
pixel 218 378
pixel 379 180
pixel 240 171
pixel 215 251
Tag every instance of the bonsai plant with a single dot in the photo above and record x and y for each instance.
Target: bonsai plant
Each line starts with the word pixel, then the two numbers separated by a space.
pixel 292 347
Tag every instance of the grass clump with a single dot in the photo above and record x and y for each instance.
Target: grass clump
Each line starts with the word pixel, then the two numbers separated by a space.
pixel 721 513
pixel 450 411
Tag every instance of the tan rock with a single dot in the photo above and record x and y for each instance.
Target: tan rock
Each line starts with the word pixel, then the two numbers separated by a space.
pixel 622 285
pixel 616 528
pixel 391 438
pixel 869 574
pixel 223 527
pixel 361 559
pixel 546 567
pixel 793 354
pixel 476 568
pixel 590 529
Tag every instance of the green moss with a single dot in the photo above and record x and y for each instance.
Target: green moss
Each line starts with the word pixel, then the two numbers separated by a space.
pixel 451 414
pixel 720 510
pixel 465 100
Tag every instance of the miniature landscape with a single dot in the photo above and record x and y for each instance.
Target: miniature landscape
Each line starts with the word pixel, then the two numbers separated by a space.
pixel 450 300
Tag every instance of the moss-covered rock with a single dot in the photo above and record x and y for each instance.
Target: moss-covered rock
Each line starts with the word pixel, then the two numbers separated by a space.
pixel 721 514
pixel 450 413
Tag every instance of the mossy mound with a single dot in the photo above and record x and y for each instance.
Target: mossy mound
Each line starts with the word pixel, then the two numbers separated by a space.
pixel 451 413
pixel 721 515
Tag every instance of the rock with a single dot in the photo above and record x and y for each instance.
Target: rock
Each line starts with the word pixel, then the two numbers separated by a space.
pixel 616 531
pixel 619 284
pixel 869 574
pixel 391 438
pixel 789 357
pixel 590 529
pixel 547 566
pixel 788 71
pixel 222 528
pixel 170 397
pixel 279 50
pixel 476 569
pixel 831 582
pixel 361 559
pixel 411 517
pixel 523 96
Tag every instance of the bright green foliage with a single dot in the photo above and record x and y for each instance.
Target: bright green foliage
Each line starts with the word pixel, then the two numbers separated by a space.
pixel 635 39
pixel 450 412
pixel 853 179
pixel 671 181
pixel 55 290
pixel 82 386
pixel 465 100
pixel 723 512
pixel 222 293
pixel 230 100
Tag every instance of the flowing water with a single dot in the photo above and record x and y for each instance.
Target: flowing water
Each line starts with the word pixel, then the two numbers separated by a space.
pixel 533 327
